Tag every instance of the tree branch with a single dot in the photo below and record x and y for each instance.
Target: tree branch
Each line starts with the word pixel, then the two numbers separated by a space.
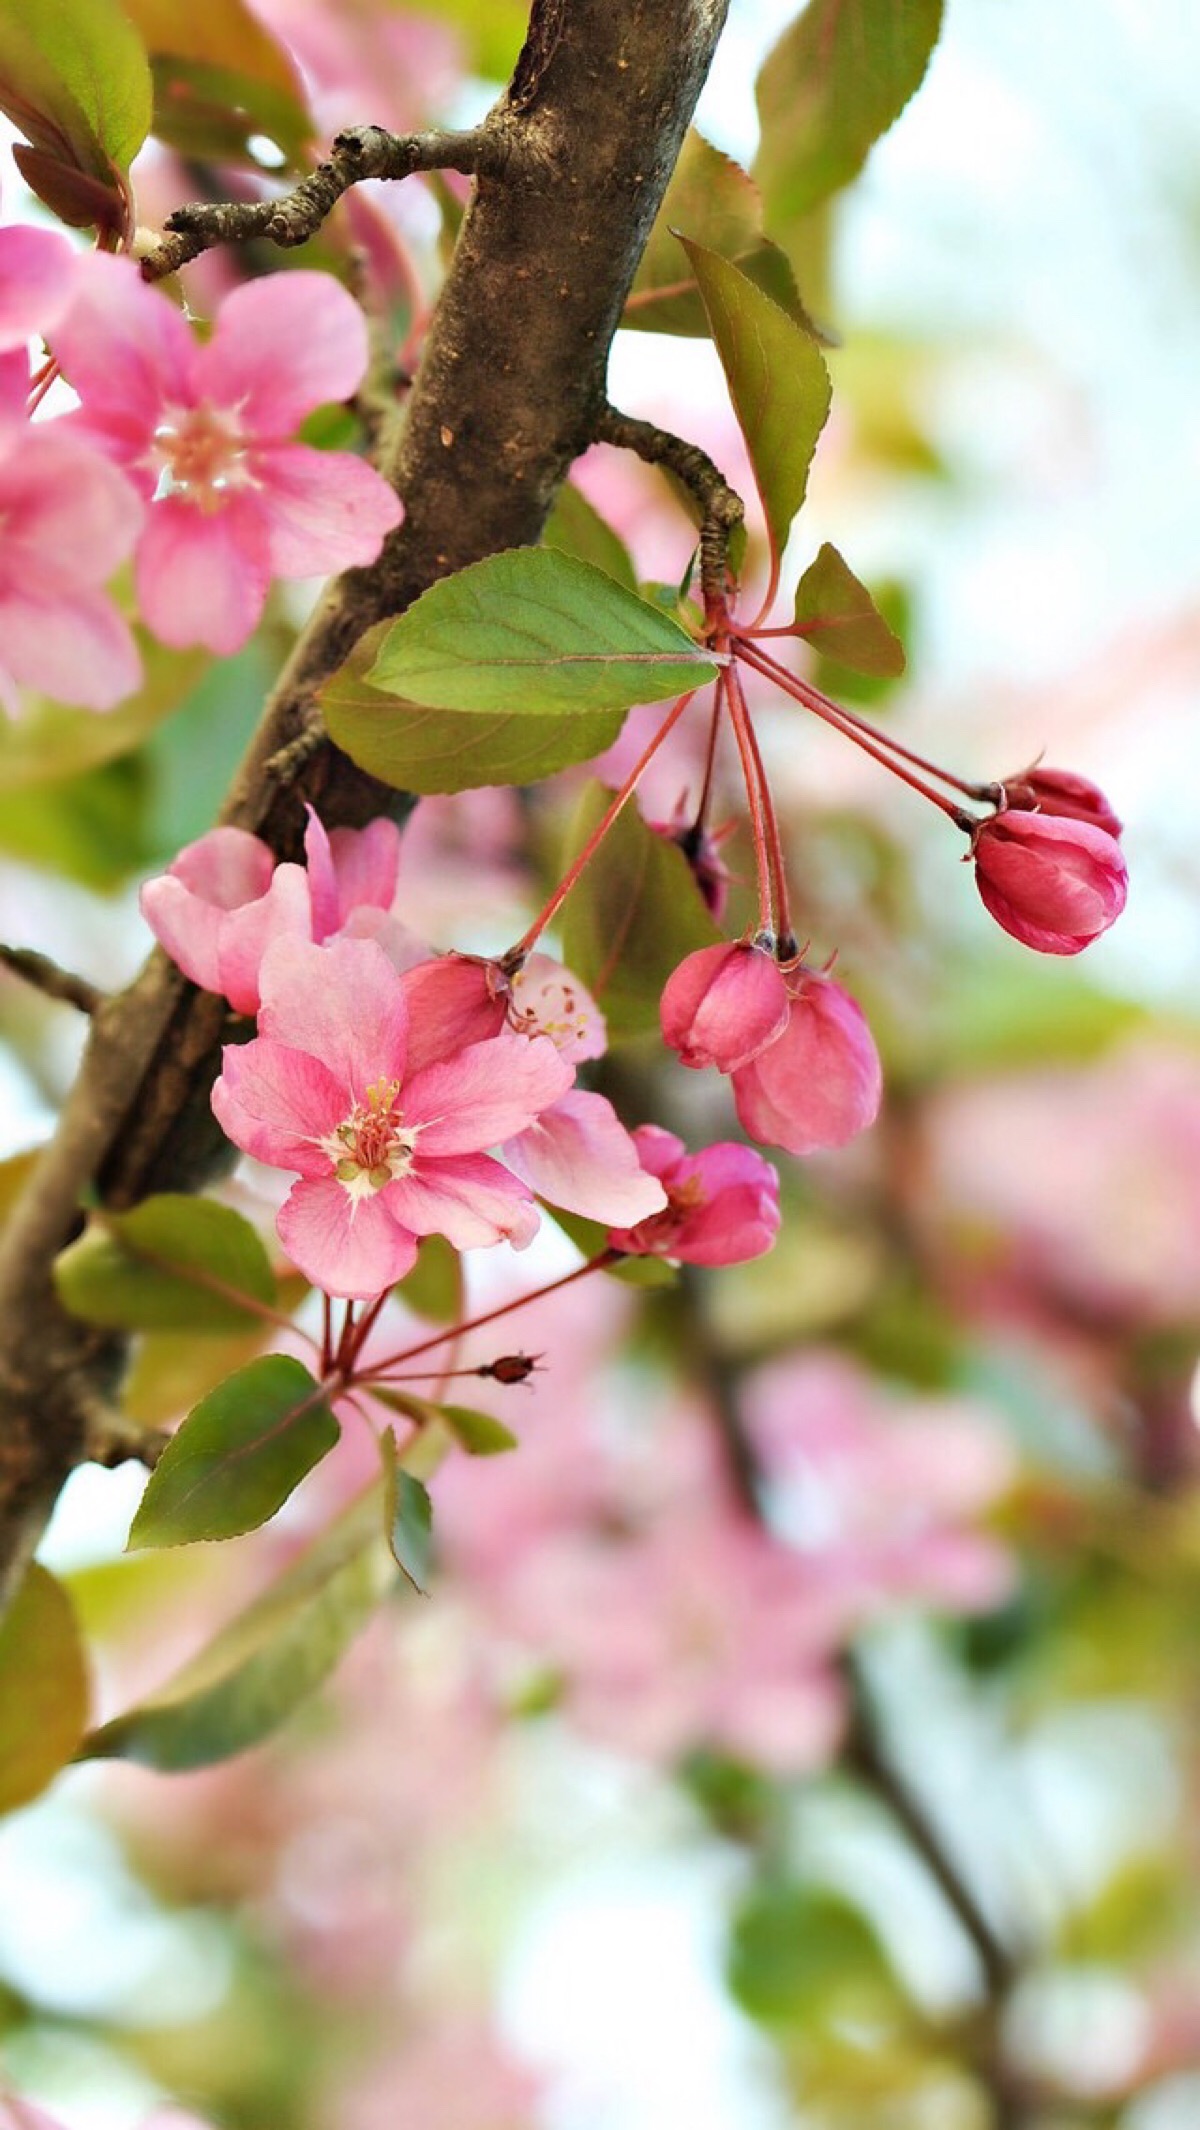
pixel 507 395
pixel 359 153
pixel 49 978
pixel 721 507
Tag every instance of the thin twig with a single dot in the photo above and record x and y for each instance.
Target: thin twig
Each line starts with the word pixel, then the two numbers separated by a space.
pixel 358 153
pixel 46 976
pixel 721 507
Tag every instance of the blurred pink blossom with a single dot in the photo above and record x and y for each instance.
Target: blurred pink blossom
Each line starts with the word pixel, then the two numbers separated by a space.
pixel 206 431
pixel 879 1494
pixel 69 519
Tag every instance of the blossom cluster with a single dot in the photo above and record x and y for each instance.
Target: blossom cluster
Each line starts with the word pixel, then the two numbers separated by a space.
pixel 181 453
pixel 414 1094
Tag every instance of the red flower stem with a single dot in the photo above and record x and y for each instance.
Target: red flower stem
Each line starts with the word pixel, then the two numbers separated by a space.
pixel 710 761
pixel 355 1332
pixel 874 745
pixel 776 861
pixel 751 774
pixel 528 940
pixel 378 1369
pixel 326 1334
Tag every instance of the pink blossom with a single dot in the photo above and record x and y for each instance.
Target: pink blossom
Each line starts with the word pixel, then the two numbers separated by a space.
pixel 68 520
pixel 723 1005
pixel 1053 881
pixel 820 1082
pixel 37 269
pixel 218 907
pixel 722 1203
pixel 1063 792
pixel 384 1155
pixel 224 899
pixel 205 430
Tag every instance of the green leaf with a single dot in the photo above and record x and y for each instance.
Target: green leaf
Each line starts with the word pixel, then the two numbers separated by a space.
pixel 777 381
pixel 837 615
pixel 268 1660
pixel 633 916
pixel 74 79
pixel 451 750
pixel 802 1955
pixel 534 631
pixel 238 1456
pixel 219 79
pixel 479 1434
pixel 837 79
pixel 173 1263
pixel 43 1688
pixel 714 201
pixel 434 1287
pixel 575 527
pixel 408 1511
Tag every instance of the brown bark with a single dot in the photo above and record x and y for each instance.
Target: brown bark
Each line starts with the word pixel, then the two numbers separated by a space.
pixel 509 391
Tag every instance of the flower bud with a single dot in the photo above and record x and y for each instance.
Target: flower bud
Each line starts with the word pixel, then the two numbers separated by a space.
pixel 820 1083
pixel 723 1005
pixel 1053 881
pixel 1061 792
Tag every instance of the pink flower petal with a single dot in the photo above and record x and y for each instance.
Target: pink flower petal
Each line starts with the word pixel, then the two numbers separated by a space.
pixel 225 867
pixel 246 934
pixel 352 867
pixel 323 510
pixel 579 1155
pixel 283 346
pixel 68 642
pixel 820 1082
pixel 723 1005
pixel 450 1005
pixel 485 1094
pixel 36 283
pixel 63 503
pixel 278 1104
pixel 202 575
pixel 342 1003
pixel 348 1247
pixel 126 349
pixel 470 1200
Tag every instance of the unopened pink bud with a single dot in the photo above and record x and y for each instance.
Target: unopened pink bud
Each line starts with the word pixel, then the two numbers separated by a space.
pixel 1054 882
pixel 820 1083
pixel 1061 792
pixel 723 1005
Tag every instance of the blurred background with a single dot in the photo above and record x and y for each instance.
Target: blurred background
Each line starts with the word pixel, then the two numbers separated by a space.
pixel 885 1819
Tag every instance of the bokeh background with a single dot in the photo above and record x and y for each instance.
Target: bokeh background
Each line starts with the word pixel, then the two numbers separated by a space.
pixel 618 1829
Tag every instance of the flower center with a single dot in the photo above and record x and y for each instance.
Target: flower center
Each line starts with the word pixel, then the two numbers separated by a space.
pixel 547 1005
pixel 200 455
pixel 372 1147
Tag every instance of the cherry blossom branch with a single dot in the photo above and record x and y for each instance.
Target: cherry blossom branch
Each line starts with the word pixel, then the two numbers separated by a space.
pixel 50 979
pixel 359 153
pixel 512 369
pixel 721 507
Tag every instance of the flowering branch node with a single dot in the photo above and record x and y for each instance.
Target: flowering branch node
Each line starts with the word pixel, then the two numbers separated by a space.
pixel 360 152
pixel 45 975
pixel 721 507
